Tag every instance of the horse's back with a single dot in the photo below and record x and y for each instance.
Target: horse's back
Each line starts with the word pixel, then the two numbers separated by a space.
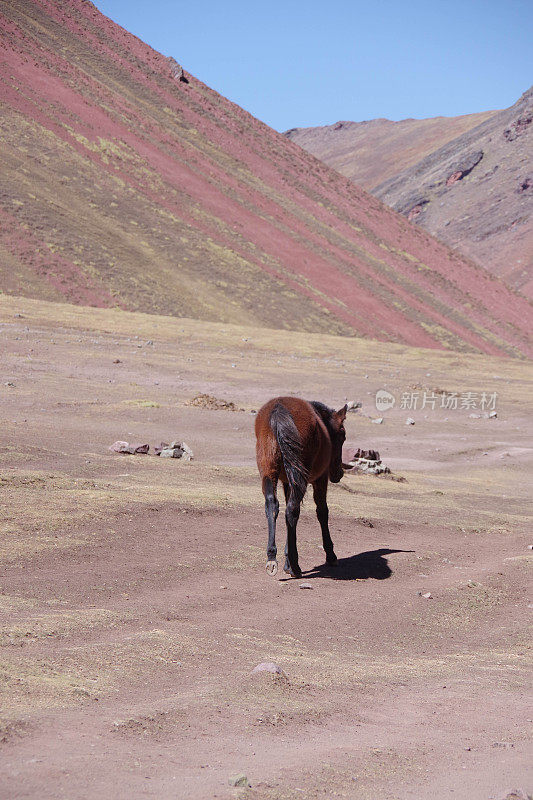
pixel 301 411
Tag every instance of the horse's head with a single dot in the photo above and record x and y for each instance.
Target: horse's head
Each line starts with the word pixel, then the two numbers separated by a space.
pixel 337 434
pixel 334 422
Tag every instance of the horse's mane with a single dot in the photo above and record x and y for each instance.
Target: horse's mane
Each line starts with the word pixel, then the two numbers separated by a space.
pixel 324 412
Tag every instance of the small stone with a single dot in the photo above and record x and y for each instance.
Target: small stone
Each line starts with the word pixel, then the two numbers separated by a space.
pixel 353 405
pixel 475 416
pixel 174 450
pixel 269 666
pixel 186 452
pixel 306 585
pixel 18 316
pixel 409 421
pixel 378 420
pixel 168 452
pixel 530 547
pixel 120 447
pixel 9 383
pixel 129 449
pixel 176 70
pixel 117 361
pixel 493 415
pixel 80 692
pixel 238 780
pixel 427 596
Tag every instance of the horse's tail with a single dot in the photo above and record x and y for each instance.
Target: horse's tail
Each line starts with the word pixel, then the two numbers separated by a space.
pixel 290 445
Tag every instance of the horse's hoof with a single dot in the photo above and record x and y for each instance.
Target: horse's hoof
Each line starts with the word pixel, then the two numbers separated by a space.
pixel 293 573
pixel 272 567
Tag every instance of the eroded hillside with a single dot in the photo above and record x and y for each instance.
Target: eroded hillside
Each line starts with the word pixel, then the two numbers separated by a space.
pixel 124 185
pixel 467 180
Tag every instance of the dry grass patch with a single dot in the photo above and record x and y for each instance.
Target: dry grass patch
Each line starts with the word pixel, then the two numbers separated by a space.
pixel 57 625
pixel 323 669
pixel 156 725
pixel 141 403
pixel 365 777
pixel 468 370
pixel 242 558
pixel 12 604
pixel 461 501
pixel 55 510
pixel 34 684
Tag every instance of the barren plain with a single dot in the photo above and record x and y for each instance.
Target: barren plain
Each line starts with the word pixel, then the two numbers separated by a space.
pixel 134 597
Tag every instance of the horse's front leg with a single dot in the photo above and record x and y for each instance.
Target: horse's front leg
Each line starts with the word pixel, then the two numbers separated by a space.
pixel 271 511
pixel 292 514
pixel 320 489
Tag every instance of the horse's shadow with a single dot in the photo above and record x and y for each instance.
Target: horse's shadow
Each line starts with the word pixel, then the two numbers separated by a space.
pixel 361 566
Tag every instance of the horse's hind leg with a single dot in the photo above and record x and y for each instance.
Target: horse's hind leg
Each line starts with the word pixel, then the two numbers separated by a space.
pixel 287 567
pixel 292 514
pixel 320 488
pixel 271 511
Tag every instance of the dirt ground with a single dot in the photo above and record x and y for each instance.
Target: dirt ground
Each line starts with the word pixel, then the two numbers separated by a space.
pixel 134 597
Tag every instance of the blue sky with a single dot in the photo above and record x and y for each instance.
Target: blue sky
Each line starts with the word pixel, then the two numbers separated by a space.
pixel 295 64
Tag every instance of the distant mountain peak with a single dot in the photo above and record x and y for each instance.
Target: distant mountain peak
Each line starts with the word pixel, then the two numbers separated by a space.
pixel 457 177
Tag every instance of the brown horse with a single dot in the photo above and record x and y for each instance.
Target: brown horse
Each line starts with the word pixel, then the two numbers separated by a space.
pixel 298 443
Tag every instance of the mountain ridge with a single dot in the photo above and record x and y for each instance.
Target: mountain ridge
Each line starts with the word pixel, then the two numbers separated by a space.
pixel 477 193
pixel 399 143
pixel 470 188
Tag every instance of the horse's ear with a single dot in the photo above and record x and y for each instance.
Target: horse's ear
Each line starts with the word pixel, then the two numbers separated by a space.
pixel 340 415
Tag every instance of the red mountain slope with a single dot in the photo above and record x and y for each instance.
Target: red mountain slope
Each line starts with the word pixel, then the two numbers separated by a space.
pixel 123 185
